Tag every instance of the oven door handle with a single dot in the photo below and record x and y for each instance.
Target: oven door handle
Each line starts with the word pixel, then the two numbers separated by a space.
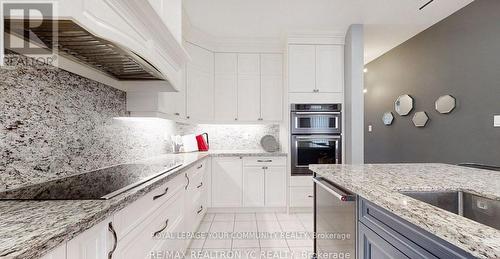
pixel 337 192
pixel 317 113
pixel 319 137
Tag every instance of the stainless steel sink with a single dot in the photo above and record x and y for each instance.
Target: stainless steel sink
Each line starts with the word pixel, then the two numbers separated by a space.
pixel 480 209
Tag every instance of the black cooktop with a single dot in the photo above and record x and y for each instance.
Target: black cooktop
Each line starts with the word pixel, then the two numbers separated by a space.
pixel 101 184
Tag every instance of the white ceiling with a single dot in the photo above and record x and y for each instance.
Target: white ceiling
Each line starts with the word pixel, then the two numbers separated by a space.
pixel 388 23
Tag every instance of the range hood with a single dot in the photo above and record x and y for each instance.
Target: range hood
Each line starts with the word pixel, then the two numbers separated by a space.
pixel 72 40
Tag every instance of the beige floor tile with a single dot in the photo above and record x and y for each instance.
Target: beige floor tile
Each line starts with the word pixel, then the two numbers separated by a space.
pixel 245 217
pixel 209 217
pixel 224 217
pixel 266 217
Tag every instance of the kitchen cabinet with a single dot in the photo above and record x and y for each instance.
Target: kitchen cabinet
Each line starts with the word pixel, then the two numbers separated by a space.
pixel 253 187
pixel 330 68
pixel 301 192
pixel 200 84
pixel 225 87
pixel 227 180
pixel 174 104
pixel 94 243
pixel 264 182
pixel 381 234
pixel 316 68
pixel 248 87
pixel 271 104
pixel 375 247
pixel 58 253
pixel 275 186
pixel 196 205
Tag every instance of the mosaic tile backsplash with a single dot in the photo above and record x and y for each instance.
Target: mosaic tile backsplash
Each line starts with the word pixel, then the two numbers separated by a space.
pixel 232 137
pixel 54 123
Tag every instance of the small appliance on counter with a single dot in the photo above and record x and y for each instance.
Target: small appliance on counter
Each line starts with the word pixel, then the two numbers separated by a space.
pixel 203 144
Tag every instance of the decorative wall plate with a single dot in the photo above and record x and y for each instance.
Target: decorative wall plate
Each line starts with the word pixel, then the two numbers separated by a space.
pixel 404 105
pixel 445 104
pixel 387 118
pixel 420 119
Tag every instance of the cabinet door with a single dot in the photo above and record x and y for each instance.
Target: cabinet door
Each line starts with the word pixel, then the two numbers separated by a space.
pixel 174 104
pixel 302 68
pixel 248 87
pixel 275 187
pixel 227 180
pixel 330 68
pixel 200 84
pixel 372 246
pixel 253 187
pixel 248 98
pixel 225 87
pixel 94 243
pixel 271 86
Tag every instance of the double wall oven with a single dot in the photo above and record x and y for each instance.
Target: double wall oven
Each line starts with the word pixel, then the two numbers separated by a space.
pixel 316 136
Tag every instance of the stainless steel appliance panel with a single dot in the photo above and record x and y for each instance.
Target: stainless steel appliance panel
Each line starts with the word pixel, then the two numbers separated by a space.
pixel 334 221
pixel 314 149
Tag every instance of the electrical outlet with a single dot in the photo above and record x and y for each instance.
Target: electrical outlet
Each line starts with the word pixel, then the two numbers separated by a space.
pixel 370 128
pixel 496 121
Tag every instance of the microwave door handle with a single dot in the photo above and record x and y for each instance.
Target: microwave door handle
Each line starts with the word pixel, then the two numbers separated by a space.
pixel 318 137
pixel 317 113
pixel 339 194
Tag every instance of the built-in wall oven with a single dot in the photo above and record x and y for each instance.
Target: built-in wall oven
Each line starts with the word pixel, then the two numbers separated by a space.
pixel 316 136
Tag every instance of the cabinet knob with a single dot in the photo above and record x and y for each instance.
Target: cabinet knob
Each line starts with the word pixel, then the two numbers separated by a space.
pixel 260 119
pixel 187 117
pixel 235 119
pixel 177 114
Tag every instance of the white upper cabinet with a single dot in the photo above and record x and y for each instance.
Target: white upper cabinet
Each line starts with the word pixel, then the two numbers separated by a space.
pixel 302 68
pixel 330 68
pixel 271 86
pixel 225 87
pixel 200 84
pixel 248 87
pixel 316 68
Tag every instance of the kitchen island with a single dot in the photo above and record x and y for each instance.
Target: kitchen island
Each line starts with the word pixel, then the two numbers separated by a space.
pixel 381 185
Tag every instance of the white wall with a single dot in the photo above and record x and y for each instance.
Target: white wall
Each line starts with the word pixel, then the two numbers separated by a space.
pixel 354 99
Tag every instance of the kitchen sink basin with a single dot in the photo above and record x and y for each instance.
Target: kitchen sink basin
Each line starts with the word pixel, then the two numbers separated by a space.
pixel 477 208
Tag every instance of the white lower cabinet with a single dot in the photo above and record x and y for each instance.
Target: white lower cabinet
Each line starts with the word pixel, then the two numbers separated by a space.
pixel 253 187
pixel 301 196
pixel 95 243
pixel 275 182
pixel 227 180
pixel 155 231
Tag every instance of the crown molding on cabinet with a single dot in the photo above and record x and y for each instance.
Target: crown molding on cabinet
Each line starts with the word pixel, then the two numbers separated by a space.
pixel 317 38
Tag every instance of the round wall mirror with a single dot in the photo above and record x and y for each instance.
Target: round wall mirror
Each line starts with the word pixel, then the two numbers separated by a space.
pixel 387 118
pixel 404 105
pixel 420 119
pixel 445 104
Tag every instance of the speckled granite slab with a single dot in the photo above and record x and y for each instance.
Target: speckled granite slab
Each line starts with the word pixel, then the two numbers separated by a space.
pixel 30 229
pixel 252 153
pixel 382 183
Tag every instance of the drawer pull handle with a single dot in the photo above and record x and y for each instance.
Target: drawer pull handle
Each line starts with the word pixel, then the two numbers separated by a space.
pixel 264 161
pixel 115 240
pixel 163 228
pixel 199 167
pixel 265 167
pixel 200 210
pixel 310 196
pixel 187 177
pixel 160 195
pixel 199 186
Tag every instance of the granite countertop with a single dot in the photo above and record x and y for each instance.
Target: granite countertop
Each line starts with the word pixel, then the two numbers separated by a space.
pixel 30 229
pixel 382 183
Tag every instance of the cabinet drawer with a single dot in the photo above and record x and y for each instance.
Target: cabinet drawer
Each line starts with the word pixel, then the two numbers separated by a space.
pixel 196 176
pixel 301 197
pixel 264 161
pixel 129 217
pixel 140 242
pixel 406 237
pixel 304 181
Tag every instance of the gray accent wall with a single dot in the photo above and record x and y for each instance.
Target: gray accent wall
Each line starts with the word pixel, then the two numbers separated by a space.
pixel 459 56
